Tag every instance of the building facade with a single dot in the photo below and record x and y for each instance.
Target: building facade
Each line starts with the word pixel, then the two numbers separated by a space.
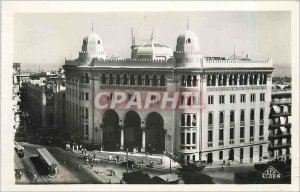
pixel 44 103
pixel 280 123
pixel 234 95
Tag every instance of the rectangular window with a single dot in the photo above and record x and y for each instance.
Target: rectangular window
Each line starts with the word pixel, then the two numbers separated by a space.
pixel 86 113
pixel 260 150
pixel 232 98
pixel 241 153
pixel 243 98
pixel 251 131
pixel 86 129
pixel 262 97
pixel 242 132
pixel 210 136
pixel 242 115
pixel 188 138
pixel 221 99
pixel 231 133
pixel 220 155
pixel 87 96
pixel 194 138
pixel 182 138
pixel 221 135
pixel 252 97
pixel 210 99
pixel 251 152
pixel 261 130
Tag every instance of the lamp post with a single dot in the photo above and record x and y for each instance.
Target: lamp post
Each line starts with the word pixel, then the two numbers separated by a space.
pixel 170 165
pixel 127 160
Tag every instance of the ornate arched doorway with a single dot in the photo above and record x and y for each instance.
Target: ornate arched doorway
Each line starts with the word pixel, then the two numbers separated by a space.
pixel 132 130
pixel 111 130
pixel 155 134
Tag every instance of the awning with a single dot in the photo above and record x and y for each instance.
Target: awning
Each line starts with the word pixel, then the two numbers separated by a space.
pixel 283 129
pixel 276 109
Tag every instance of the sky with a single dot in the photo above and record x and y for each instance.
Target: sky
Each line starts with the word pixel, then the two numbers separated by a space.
pixel 44 40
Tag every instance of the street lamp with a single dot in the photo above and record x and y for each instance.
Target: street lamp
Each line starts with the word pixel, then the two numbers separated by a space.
pixel 127 160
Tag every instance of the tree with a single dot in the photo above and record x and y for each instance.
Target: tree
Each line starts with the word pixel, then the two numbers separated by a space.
pixel 191 174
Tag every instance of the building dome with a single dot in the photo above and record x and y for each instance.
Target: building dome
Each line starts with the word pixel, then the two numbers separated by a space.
pixel 92 47
pixel 188 41
pixel 92 39
pixel 152 50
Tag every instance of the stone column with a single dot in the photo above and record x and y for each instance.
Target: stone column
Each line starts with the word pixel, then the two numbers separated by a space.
pixel 143 149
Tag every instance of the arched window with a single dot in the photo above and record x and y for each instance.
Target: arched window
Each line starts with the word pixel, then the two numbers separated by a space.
pixel 260 79
pixel 245 79
pixel 132 79
pixel 84 42
pixel 188 120
pixel 189 40
pixel 194 122
pixel 213 83
pixel 195 80
pixel 208 80
pixel 261 114
pixel 210 118
pixel 220 80
pixel 251 79
pixel 111 79
pixel 252 115
pixel 98 41
pixel 118 79
pixel 86 78
pixel 189 80
pixel 183 81
pixel 255 79
pixel 154 80
pixel 125 79
pixel 103 78
pixel 231 116
pixel 140 79
pixel 241 79
pixel 147 80
pixel 224 80
pixel 230 79
pixel 265 79
pixel 182 120
pixel 162 80
pixel 235 79
pixel 221 117
pixel 242 115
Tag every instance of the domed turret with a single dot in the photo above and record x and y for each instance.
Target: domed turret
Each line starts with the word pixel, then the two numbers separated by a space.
pixel 187 41
pixel 187 52
pixel 92 47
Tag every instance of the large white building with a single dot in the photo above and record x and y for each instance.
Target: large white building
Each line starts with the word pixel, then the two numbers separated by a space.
pixel 235 95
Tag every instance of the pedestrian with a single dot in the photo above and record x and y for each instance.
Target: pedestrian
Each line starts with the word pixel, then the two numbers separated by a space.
pixel 92 165
pixel 110 157
pixel 116 160
pixel 87 161
pixel 222 168
pixel 124 158
pixel 35 178
pixel 79 167
pixel 80 146
pixel 82 150
pixel 65 162
pixel 77 147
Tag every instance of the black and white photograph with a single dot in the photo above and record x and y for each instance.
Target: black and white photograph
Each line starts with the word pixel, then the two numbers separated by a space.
pixel 153 96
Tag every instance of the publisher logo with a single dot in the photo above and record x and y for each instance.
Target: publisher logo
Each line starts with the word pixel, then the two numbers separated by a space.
pixel 271 173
